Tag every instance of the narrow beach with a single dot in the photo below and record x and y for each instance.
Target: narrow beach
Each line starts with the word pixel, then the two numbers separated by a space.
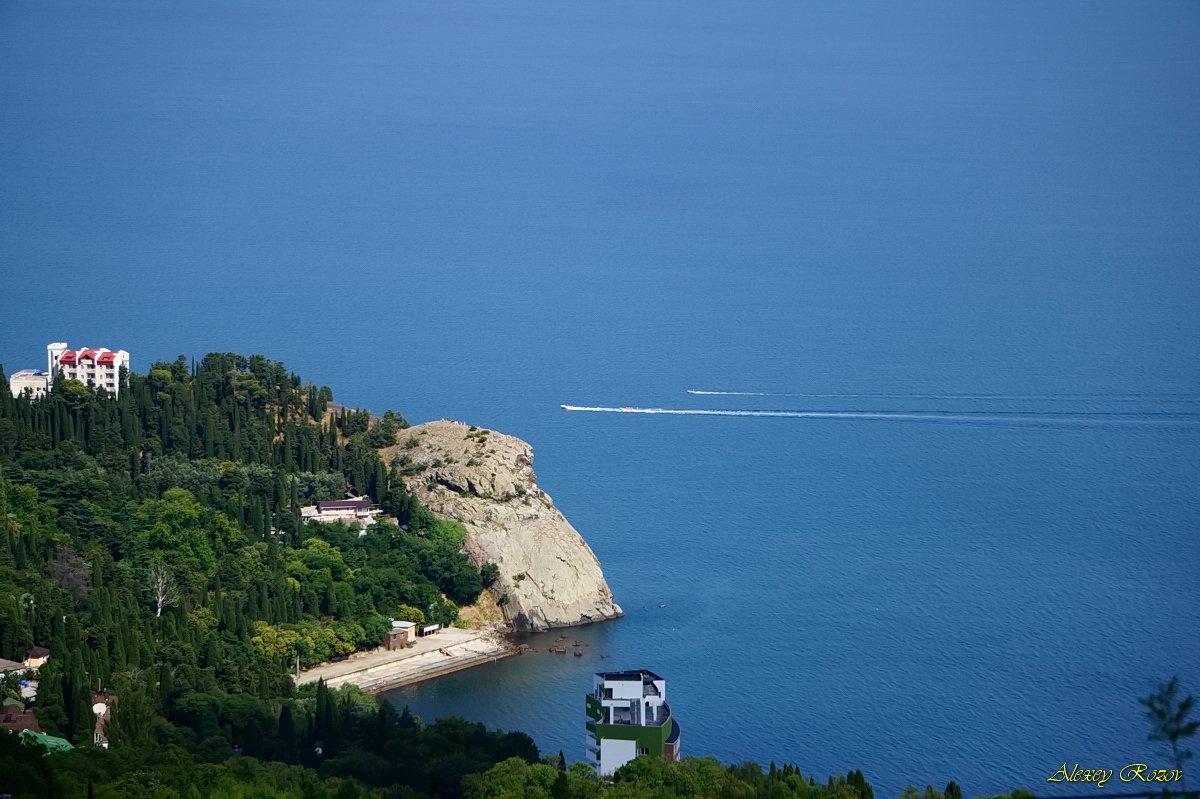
pixel 380 670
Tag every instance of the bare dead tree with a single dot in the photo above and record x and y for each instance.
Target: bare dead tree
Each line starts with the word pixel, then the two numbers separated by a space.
pixel 162 586
pixel 71 572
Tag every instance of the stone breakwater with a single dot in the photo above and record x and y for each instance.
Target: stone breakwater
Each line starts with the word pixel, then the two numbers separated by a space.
pixel 549 576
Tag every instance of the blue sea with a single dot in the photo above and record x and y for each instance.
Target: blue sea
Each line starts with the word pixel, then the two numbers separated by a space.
pixel 983 214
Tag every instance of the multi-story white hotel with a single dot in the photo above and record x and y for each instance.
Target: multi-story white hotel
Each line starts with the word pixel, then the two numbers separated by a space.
pixel 627 717
pixel 98 368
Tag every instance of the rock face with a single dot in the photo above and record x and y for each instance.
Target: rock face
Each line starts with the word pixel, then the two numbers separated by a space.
pixel 485 480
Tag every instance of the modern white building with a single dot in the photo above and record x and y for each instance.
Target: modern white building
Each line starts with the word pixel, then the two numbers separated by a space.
pixel 29 380
pixel 627 717
pixel 98 368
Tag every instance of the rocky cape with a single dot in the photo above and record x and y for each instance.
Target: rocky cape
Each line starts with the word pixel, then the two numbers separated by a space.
pixel 548 574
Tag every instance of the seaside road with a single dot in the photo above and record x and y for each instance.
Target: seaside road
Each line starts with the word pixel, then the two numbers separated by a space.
pixel 379 670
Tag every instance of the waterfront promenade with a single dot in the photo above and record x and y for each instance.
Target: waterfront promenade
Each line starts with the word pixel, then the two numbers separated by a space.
pixel 380 670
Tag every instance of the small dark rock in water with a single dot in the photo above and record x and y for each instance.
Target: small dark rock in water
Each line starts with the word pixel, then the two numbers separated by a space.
pixel 578 654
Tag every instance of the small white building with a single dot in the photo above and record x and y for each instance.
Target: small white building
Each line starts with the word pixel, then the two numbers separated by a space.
pixel 30 380
pixel 36 657
pixel 401 635
pixel 357 510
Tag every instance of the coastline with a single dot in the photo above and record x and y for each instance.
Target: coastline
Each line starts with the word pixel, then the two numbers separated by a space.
pixel 379 670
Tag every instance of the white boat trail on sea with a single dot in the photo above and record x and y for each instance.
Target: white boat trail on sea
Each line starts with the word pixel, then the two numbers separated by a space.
pixel 1022 417
pixel 1155 397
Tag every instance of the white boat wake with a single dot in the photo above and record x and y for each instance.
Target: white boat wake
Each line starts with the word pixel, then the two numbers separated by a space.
pixel 997 397
pixel 918 416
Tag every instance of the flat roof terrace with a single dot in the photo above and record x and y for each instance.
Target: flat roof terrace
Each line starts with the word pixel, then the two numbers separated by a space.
pixel 629 676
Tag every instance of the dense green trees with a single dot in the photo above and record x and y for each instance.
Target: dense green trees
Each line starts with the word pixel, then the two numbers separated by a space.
pixel 365 750
pixel 188 489
pixel 656 779
pixel 153 543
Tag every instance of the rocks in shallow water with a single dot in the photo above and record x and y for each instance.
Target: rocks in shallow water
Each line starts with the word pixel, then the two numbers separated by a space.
pixel 486 481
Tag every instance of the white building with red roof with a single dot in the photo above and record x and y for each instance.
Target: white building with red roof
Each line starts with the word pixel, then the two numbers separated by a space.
pixel 95 367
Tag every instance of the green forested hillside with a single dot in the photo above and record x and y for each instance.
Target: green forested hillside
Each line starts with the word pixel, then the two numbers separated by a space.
pixel 152 542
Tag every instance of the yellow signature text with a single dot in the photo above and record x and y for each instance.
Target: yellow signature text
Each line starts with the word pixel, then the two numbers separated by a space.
pixel 1142 772
pixel 1134 772
pixel 1077 774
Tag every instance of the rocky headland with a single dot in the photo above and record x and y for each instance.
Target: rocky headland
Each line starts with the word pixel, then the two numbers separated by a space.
pixel 549 576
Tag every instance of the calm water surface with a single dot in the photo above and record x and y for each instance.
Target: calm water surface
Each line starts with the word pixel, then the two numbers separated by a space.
pixel 482 210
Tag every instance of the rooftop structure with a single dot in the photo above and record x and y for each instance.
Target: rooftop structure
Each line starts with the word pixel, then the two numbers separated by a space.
pixel 10 667
pixel 50 742
pixel 15 717
pixel 627 717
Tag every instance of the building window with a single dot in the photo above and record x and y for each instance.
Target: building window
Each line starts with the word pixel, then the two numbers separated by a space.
pixel 643 751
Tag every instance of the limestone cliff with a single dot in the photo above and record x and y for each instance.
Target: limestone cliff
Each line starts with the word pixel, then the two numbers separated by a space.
pixel 485 480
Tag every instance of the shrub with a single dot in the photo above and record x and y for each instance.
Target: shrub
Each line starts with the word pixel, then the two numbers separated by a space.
pixel 490 573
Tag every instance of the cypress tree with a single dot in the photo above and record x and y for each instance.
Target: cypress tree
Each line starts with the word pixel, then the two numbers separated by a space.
pixel 212 652
pixel 324 711
pixel 287 735
pixel 166 688
pixel 6 401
